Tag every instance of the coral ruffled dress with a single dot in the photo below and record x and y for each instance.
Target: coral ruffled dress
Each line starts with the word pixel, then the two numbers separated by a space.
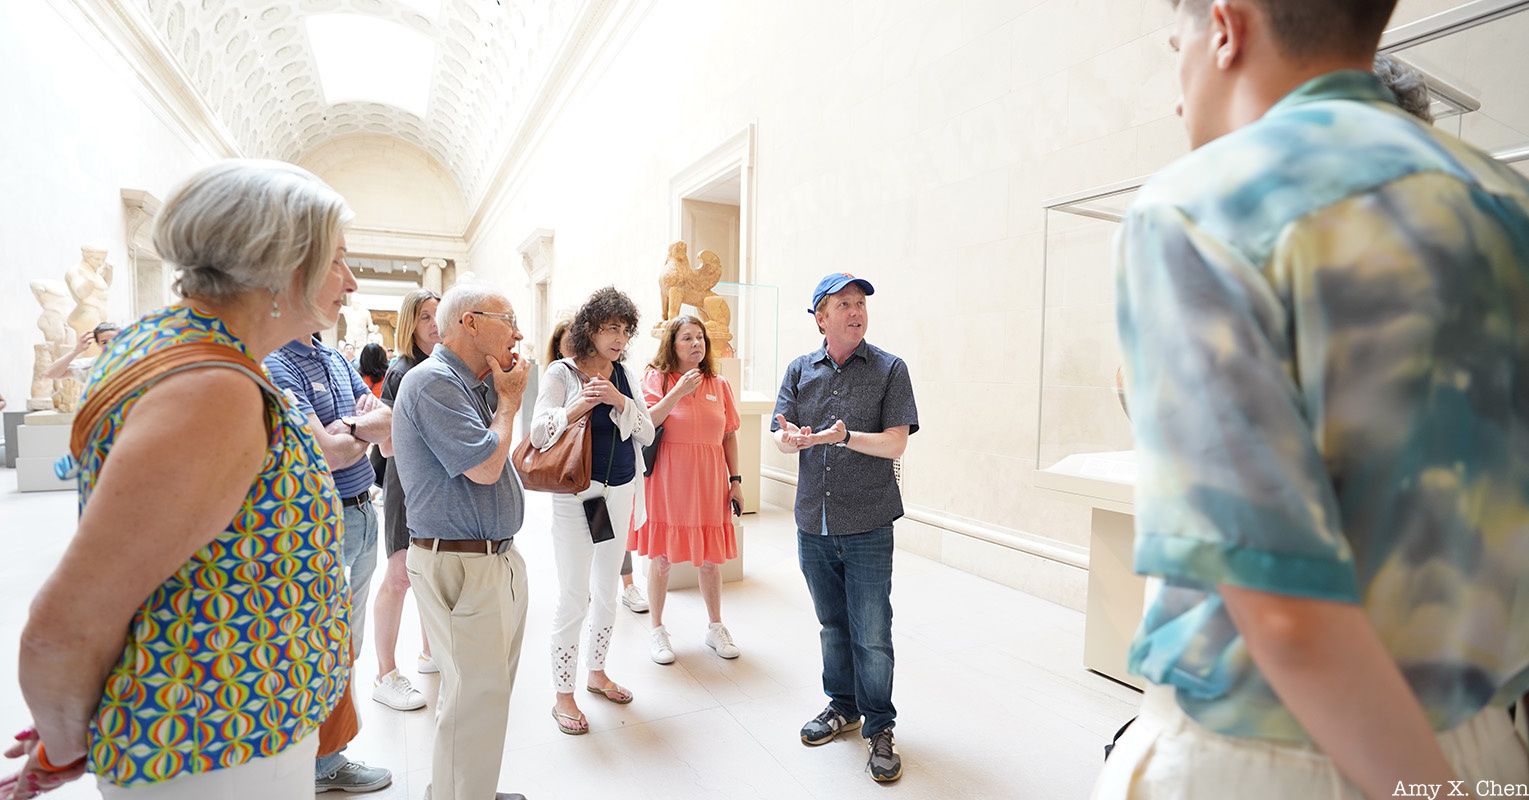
pixel 689 517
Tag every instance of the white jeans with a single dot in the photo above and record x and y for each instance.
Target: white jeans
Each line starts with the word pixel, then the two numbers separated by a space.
pixel 288 775
pixel 1165 755
pixel 587 573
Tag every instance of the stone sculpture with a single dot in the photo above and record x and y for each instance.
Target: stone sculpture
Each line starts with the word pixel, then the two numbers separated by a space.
pixel 680 285
pixel 89 282
pixel 58 339
pixel 359 327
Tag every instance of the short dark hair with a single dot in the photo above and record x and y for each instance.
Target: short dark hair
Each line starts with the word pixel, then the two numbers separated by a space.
pixel 374 361
pixel 603 307
pixel 1309 28
pixel 105 327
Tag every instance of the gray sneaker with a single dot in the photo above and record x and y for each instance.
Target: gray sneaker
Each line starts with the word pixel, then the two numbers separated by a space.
pixel 885 765
pixel 354 778
pixel 825 726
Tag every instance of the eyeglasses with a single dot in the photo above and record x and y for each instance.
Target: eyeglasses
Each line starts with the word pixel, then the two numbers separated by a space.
pixel 510 318
pixel 616 329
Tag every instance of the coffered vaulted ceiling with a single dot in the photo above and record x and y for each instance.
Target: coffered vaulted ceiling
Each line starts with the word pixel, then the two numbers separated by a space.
pixel 269 70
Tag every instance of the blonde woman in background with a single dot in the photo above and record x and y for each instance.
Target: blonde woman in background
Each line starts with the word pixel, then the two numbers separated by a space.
pixel 417 337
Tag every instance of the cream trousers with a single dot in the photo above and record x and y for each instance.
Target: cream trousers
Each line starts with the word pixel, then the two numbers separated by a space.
pixel 1165 754
pixel 474 609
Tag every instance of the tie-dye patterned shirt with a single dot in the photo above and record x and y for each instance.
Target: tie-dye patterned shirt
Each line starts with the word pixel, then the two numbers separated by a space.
pixel 240 653
pixel 1325 321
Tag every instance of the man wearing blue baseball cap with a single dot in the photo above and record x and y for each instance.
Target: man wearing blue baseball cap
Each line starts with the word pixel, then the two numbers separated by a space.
pixel 860 400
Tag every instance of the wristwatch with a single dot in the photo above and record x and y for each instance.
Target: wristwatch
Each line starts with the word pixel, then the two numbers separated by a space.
pixel 350 422
pixel 735 479
pixel 844 443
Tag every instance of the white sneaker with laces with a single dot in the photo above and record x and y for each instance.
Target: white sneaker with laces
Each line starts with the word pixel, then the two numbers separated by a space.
pixel 632 598
pixel 394 691
pixel 719 639
pixel 426 665
pixel 659 647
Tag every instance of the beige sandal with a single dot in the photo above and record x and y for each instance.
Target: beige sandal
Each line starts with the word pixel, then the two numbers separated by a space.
pixel 613 693
pixel 574 729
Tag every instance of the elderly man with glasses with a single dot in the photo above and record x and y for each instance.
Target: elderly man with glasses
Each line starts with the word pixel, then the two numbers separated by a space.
pixel 452 426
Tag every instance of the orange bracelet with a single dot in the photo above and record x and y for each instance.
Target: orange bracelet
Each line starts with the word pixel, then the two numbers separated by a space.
pixel 42 761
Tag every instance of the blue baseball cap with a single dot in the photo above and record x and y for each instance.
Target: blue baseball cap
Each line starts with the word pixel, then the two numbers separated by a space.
pixel 835 282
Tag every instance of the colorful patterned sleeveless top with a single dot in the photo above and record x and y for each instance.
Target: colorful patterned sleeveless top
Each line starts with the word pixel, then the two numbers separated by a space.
pixel 237 655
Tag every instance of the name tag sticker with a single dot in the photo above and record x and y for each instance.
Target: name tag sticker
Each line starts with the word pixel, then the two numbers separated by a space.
pixel 711 397
pixel 319 387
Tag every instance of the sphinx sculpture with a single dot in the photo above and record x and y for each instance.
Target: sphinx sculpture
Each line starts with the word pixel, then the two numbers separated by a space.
pixel 680 285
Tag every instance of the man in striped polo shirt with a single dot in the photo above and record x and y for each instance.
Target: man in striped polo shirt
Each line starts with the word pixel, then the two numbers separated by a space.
pixel 345 419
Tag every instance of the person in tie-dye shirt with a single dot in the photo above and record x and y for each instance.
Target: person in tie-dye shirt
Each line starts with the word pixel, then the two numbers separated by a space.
pixel 1324 313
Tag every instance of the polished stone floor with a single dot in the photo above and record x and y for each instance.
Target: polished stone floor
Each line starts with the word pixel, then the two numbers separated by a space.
pixel 993 701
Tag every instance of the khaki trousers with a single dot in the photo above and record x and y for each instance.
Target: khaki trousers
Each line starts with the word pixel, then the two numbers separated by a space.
pixel 474 610
pixel 1165 755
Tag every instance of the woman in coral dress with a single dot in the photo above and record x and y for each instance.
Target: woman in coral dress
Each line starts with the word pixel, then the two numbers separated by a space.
pixel 695 483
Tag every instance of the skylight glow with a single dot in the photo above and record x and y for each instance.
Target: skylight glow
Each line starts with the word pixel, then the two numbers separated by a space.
pixel 365 59
pixel 427 7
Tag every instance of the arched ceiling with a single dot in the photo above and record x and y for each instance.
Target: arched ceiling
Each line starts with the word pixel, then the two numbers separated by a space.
pixel 256 67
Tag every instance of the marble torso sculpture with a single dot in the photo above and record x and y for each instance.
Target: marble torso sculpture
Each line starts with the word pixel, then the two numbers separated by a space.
pixel 681 285
pixel 58 339
pixel 358 325
pixel 88 282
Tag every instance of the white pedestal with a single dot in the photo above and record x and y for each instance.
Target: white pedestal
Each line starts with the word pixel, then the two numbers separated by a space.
pixel 685 575
pixel 752 411
pixel 41 440
pixel 1116 594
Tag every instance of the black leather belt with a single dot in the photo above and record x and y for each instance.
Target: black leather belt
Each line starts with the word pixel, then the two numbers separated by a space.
pixel 352 502
pixel 485 547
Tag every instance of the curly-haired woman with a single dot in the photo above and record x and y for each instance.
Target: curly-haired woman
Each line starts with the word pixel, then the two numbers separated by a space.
pixel 593 382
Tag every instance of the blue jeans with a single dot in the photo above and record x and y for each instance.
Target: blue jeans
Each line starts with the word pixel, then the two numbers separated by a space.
pixel 850 578
pixel 360 562
pixel 360 555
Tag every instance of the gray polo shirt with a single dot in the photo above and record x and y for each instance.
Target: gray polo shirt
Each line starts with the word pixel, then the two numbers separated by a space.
pixel 440 430
pixel 840 491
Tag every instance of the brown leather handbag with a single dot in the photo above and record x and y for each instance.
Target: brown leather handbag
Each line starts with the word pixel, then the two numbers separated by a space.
pixel 563 468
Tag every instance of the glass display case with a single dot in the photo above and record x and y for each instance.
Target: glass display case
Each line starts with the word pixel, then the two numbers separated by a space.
pixel 1081 408
pixel 1472 58
pixel 754 324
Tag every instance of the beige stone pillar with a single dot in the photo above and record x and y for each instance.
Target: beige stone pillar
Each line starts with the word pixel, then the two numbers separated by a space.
pixel 434 267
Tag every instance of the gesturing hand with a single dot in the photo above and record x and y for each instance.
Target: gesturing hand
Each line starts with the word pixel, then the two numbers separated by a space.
pixel 796 439
pixel 688 383
pixel 833 435
pixel 600 390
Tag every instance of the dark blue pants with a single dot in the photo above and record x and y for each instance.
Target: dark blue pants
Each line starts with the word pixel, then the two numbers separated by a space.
pixel 850 578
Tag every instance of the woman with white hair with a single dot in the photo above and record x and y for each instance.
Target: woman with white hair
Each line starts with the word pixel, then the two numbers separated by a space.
pixel 193 636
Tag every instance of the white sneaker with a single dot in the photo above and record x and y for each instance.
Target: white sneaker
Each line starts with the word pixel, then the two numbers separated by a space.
pixel 718 639
pixel 659 647
pixel 426 665
pixel 632 598
pixel 394 691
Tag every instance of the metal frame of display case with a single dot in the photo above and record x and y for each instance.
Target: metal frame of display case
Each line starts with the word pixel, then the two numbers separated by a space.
pixel 1466 16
